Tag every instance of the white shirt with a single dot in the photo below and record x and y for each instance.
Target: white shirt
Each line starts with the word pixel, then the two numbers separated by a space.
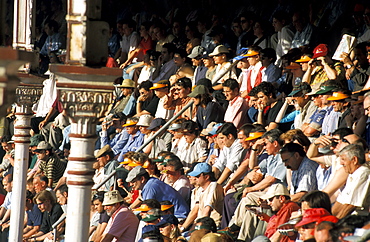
pixel 230 157
pixel 356 191
pixel 161 112
pixel 285 37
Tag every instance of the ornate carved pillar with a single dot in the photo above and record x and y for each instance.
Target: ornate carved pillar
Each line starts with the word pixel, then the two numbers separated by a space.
pixel 27 95
pixel 85 94
pixel 10 61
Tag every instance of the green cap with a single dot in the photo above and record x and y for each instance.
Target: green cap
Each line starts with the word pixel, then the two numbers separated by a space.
pixel 325 89
pixel 301 87
pixel 198 90
pixel 150 217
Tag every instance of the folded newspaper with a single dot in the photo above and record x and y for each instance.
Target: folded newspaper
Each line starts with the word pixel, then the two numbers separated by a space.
pixel 345 45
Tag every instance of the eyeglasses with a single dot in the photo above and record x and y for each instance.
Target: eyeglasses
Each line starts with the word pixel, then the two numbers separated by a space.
pixel 39 204
pixel 199 175
pixel 288 158
pixel 271 199
pixel 309 226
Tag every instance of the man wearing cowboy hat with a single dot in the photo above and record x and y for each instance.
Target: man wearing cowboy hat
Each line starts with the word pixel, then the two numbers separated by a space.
pixel 126 103
pixel 105 157
pixel 119 212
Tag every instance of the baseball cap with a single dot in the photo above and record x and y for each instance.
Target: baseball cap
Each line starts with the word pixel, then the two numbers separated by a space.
pixel 325 89
pixel 36 139
pixel 303 59
pixel 168 219
pixel 129 123
pixel 221 49
pixel 315 215
pixel 199 90
pixel 197 51
pixel 338 96
pixel 301 87
pixel 200 168
pixel 156 123
pixel 143 208
pixel 254 135
pixel 320 50
pixel 43 145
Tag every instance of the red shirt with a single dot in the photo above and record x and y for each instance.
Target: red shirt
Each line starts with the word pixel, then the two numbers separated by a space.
pixel 282 216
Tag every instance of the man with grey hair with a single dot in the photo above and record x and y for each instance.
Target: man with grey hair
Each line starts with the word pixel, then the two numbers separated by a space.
pixel 355 195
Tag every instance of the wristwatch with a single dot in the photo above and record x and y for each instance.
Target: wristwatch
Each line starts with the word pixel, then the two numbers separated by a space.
pixel 349 66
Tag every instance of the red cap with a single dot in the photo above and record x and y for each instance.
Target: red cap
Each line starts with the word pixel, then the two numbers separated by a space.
pixel 320 50
pixel 314 215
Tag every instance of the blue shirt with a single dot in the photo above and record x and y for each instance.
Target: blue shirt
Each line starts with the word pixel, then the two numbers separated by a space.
pixel 156 189
pixel 274 166
pixel 133 143
pixel 130 108
pixel 304 179
pixel 34 216
pixel 322 176
pixel 117 143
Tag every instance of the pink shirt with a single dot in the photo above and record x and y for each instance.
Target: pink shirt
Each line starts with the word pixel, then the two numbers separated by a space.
pixel 122 225
pixel 237 112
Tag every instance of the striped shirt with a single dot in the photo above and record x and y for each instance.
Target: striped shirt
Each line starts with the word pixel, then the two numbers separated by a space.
pixel 53 168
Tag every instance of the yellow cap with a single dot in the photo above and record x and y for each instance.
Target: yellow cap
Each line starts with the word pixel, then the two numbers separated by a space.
pixel 126 161
pixel 251 53
pixel 303 59
pixel 165 207
pixel 338 96
pixel 254 135
pixel 158 85
pixel 129 123
pixel 143 208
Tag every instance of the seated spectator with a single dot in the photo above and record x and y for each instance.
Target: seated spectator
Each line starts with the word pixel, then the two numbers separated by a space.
pixel 271 73
pixel 50 165
pixel 236 110
pixel 118 212
pixel 34 217
pixel 51 212
pixel 196 149
pixel 175 175
pixel 62 196
pixel 168 226
pixel 178 98
pixel 303 102
pixel 166 66
pixel 53 43
pixel 163 141
pixel 254 75
pixel 152 188
pixel 97 202
pixel 354 196
pixel 339 101
pixel 147 102
pixel 322 68
pixel 207 109
pixel 6 166
pixel 161 37
pixel 161 90
pixel 5 208
pixel 193 36
pixel 120 135
pixel 261 30
pixel 305 31
pixel 219 55
pixel 126 102
pixel 278 198
pixel 135 140
pixel 211 199
pixel 231 155
pixel 129 41
pixel 281 20
pixel 196 58
pixel 105 157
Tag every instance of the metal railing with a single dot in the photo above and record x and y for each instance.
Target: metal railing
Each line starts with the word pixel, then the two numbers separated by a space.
pixel 54 226
pixel 164 127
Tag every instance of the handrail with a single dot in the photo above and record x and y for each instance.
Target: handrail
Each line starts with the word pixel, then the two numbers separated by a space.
pixel 225 71
pixel 54 226
pixel 164 127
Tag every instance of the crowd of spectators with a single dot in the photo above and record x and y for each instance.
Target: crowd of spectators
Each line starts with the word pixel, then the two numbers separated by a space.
pixel 273 147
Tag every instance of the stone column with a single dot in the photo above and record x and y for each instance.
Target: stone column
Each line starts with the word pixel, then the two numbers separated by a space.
pixel 27 95
pixel 85 93
pixel 10 61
